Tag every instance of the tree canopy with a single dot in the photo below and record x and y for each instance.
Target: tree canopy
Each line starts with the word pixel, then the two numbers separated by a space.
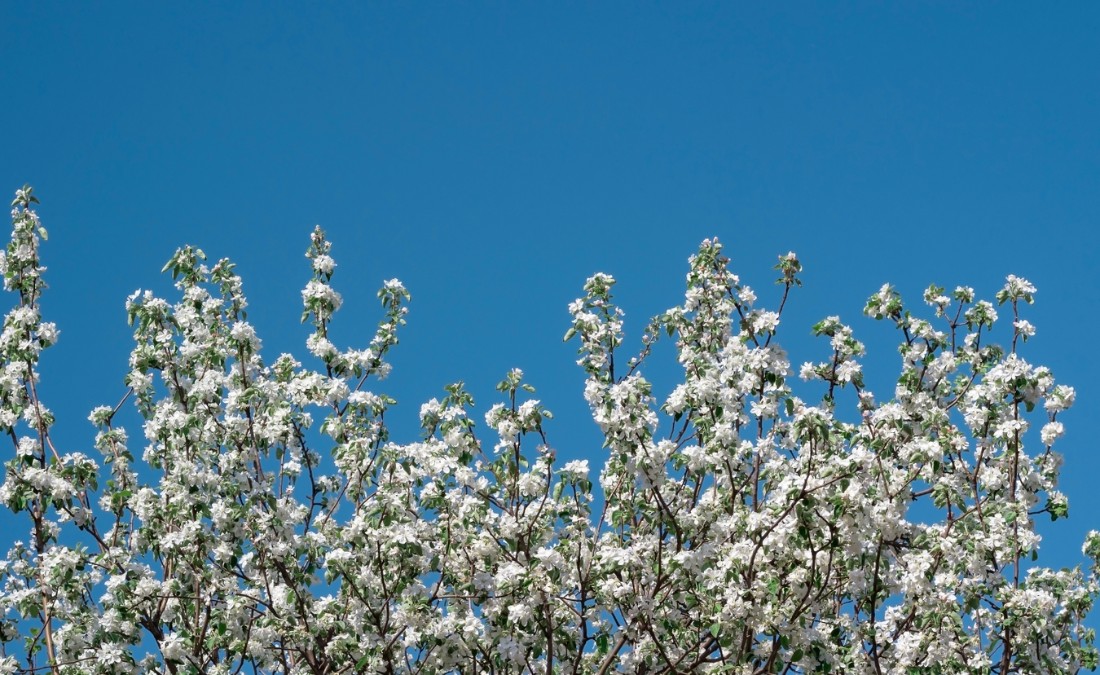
pixel 272 525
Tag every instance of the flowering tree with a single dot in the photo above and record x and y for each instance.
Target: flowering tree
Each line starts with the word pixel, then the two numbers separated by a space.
pixel 276 527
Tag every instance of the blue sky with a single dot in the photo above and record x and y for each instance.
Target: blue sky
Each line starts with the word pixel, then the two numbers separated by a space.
pixel 492 156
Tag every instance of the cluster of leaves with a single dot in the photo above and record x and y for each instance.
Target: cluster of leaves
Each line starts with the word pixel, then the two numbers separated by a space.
pixel 736 527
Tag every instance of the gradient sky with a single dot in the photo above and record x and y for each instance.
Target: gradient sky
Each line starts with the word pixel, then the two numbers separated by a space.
pixel 492 156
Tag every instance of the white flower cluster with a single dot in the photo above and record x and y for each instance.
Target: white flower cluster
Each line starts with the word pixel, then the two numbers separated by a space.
pixel 735 527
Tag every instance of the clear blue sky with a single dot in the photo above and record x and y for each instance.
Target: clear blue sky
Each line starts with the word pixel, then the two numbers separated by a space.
pixel 492 156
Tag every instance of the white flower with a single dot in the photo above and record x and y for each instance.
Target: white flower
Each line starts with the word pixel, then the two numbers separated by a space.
pixel 316 291
pixel 1051 432
pixel 1060 399
pixel 1018 286
pixel 764 322
pixel 321 347
pixel 172 649
pixel 677 400
pixel 110 654
pixel 519 613
pixel 324 264
pixel 576 469
pixel 430 410
pixel 848 370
